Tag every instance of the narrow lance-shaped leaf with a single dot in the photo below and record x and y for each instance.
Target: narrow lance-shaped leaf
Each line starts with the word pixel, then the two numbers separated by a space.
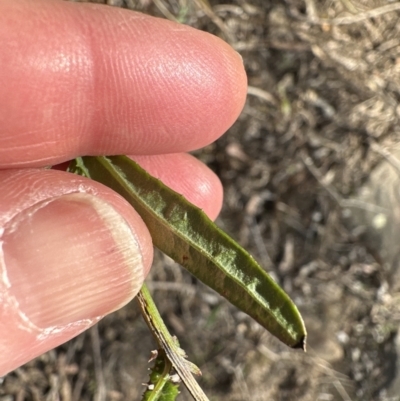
pixel 187 235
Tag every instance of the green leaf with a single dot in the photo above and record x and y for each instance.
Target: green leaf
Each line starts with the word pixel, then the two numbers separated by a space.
pixel 161 385
pixel 187 235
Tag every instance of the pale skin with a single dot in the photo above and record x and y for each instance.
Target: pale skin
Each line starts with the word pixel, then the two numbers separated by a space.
pixel 81 79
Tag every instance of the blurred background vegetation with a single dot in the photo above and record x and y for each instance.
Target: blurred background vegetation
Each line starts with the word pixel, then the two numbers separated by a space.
pixel 311 178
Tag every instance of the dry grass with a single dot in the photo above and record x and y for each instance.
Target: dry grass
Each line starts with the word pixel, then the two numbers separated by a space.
pixel 310 177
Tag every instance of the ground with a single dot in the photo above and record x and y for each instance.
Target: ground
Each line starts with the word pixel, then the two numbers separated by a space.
pixel 311 177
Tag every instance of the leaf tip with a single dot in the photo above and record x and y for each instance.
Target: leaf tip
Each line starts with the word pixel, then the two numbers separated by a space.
pixel 301 344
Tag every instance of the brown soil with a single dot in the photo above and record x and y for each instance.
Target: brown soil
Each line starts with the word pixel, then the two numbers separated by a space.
pixel 311 178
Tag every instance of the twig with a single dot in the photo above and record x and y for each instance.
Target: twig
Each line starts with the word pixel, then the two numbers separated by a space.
pixel 180 287
pixel 343 203
pixel 260 244
pixel 204 5
pixel 164 10
pixel 350 6
pixel 392 160
pixel 353 19
pixel 80 381
pixel 98 365
pixel 341 390
pixel 262 94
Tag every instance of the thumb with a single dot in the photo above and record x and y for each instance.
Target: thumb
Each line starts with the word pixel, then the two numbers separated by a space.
pixel 70 254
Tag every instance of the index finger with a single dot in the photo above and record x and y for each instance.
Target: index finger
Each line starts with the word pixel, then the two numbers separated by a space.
pixel 82 79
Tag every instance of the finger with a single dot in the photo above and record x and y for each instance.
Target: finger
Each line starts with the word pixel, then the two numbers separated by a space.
pixel 87 79
pixel 72 251
pixel 188 176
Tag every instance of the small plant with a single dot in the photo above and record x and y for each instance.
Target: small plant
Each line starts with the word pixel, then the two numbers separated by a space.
pixel 184 233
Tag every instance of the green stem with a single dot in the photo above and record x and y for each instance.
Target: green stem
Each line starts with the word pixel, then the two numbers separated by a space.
pixel 161 387
pixel 169 344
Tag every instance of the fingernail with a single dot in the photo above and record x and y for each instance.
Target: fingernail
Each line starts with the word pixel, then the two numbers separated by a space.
pixel 70 259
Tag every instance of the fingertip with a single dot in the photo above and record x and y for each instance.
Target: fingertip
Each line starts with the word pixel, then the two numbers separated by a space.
pixel 82 79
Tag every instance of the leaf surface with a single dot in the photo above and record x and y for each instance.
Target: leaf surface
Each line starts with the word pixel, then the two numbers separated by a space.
pixel 187 235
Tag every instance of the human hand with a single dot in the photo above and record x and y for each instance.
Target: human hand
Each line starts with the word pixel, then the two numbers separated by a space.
pixel 83 79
